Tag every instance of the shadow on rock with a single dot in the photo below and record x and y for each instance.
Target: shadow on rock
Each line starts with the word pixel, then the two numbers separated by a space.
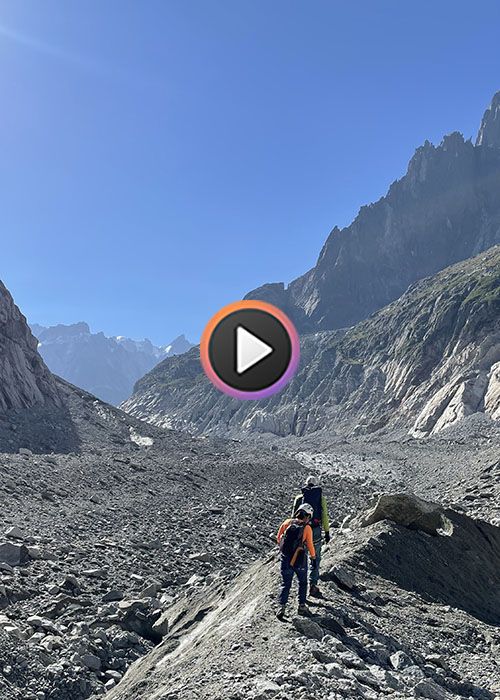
pixel 40 429
pixel 461 570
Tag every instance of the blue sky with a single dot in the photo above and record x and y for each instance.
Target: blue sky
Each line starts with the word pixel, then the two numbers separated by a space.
pixel 160 159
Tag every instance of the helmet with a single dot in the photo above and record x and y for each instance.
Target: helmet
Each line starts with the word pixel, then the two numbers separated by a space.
pixel 306 508
pixel 312 480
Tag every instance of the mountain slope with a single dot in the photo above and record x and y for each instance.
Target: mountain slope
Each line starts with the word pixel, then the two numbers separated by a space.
pixel 445 209
pixel 107 367
pixel 422 363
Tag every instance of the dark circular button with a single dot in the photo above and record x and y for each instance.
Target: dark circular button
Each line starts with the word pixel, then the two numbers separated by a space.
pixel 249 349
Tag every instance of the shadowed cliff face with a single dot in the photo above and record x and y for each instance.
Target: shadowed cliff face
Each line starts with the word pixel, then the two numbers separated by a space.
pixel 25 381
pixel 422 363
pixel 445 209
pixel 33 407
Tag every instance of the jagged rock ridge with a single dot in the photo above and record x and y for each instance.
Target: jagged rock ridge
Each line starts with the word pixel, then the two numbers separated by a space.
pixel 422 363
pixel 445 209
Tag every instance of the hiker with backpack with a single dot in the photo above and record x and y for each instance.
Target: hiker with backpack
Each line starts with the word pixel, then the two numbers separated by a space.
pixel 312 494
pixel 295 538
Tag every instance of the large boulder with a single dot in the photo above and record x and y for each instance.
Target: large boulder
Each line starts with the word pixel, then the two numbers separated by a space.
pixel 407 510
pixel 13 554
pixel 140 616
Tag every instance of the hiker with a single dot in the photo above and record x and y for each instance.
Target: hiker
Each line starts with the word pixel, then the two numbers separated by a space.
pixel 294 538
pixel 312 494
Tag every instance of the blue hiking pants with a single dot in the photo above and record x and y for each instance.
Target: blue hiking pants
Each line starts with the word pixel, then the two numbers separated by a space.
pixel 314 572
pixel 287 572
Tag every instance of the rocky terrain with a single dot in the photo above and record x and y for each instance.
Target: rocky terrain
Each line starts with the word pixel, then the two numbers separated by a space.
pixel 444 209
pixel 411 608
pixel 138 538
pixel 85 536
pixel 120 540
pixel 108 367
pixel 419 365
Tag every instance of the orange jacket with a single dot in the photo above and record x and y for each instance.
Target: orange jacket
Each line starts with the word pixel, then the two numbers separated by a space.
pixel 307 538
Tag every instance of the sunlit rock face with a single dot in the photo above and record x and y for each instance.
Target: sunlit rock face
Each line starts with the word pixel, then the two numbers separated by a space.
pixel 25 381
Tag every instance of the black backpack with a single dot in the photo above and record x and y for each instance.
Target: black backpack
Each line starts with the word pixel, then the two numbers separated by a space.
pixel 312 495
pixel 292 540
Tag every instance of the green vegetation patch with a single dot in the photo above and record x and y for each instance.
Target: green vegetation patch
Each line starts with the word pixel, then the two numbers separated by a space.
pixel 487 290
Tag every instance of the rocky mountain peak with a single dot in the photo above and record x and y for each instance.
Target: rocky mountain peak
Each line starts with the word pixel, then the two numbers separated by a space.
pixel 60 331
pixel 444 209
pixel 489 131
pixel 178 346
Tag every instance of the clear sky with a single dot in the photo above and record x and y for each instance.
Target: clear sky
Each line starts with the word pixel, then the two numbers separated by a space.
pixel 160 158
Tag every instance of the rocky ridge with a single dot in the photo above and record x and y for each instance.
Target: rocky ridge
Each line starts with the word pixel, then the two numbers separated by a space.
pixel 421 364
pixel 443 210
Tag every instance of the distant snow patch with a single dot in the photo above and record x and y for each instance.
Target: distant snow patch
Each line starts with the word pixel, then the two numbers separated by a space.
pixel 140 440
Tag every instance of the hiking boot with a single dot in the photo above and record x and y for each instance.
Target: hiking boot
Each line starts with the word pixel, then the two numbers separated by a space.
pixel 303 610
pixel 314 592
pixel 280 613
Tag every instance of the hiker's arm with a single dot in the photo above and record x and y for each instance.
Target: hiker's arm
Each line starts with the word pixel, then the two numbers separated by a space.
pixel 325 520
pixel 308 539
pixel 282 530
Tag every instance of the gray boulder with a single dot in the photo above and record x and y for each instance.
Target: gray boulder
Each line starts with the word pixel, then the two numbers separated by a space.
pixel 308 628
pixel 399 661
pixel 407 510
pixel 13 554
pixel 139 616
pixel 204 557
pixel 15 533
pixel 161 627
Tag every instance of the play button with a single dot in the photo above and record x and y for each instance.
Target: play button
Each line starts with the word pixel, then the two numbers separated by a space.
pixel 249 350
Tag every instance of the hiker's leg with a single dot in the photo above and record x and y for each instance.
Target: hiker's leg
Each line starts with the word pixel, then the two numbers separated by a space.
pixel 314 575
pixel 286 580
pixel 302 576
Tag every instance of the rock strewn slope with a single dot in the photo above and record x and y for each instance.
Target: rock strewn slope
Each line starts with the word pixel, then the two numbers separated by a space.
pixel 422 363
pixel 107 538
pixel 446 208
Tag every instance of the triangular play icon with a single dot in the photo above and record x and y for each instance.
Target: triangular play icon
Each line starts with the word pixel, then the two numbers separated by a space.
pixel 249 350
